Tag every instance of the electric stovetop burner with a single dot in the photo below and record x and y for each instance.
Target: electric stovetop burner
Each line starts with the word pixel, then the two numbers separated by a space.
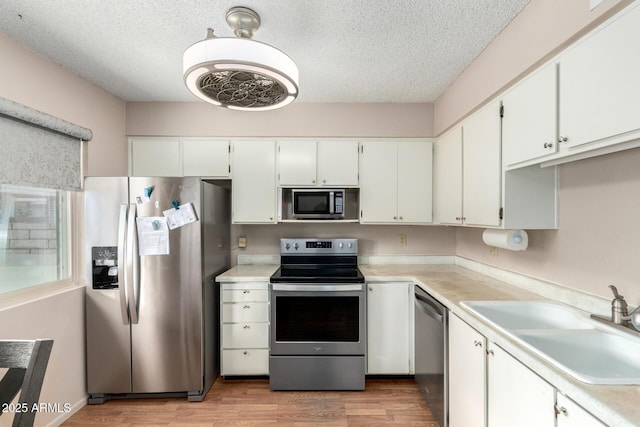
pixel 318 261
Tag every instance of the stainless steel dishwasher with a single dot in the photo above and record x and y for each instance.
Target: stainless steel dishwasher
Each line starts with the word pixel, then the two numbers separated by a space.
pixel 431 322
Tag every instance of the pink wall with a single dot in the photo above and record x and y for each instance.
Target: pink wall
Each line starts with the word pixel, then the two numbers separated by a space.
pixel 297 119
pixel 372 239
pixel 598 242
pixel 541 29
pixel 30 79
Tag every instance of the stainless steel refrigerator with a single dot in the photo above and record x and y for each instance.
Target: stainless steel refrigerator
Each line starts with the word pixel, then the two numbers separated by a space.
pixel 152 319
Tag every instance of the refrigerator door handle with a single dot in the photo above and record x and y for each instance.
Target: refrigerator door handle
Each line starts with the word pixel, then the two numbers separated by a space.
pixel 122 280
pixel 133 268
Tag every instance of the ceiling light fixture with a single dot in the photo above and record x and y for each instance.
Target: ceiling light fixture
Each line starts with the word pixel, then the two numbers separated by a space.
pixel 240 73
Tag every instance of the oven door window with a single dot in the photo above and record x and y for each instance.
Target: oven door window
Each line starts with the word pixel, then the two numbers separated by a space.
pixel 317 319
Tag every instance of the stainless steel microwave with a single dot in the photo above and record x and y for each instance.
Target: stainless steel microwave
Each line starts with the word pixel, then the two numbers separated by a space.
pixel 318 203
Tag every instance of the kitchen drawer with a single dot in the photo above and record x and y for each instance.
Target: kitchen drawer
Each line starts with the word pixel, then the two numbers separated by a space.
pixel 245 362
pixel 245 335
pixel 242 295
pixel 245 312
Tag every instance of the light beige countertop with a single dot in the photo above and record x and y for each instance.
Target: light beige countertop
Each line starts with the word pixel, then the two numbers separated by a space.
pixel 248 273
pixel 616 405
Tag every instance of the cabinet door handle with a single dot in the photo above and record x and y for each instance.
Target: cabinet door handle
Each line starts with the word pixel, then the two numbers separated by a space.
pixel 560 410
pixel 324 181
pixel 246 353
pixel 401 218
pixel 313 181
pixel 548 145
pixel 477 343
pixel 490 352
pixel 395 217
pixel 370 289
pixel 563 139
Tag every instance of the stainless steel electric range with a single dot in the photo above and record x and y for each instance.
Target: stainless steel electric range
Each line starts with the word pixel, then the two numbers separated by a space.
pixel 318 322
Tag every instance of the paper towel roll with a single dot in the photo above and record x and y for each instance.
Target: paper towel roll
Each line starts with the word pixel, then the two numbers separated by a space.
pixel 514 240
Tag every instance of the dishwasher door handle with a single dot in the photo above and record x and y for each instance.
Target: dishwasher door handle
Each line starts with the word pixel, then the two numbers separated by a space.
pixel 429 309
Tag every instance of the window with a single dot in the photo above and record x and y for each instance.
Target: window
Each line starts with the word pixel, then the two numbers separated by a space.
pixel 35 236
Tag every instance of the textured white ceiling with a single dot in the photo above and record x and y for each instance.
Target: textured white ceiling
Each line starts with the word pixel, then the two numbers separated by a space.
pixel 346 50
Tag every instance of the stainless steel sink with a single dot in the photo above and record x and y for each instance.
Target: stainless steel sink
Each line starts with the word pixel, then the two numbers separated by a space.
pixel 566 337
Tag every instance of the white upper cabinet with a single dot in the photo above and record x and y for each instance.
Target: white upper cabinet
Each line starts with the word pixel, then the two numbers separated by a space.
pixel 254 182
pixel 379 182
pixel 468 171
pixel 324 163
pixel 396 182
pixel 599 84
pixel 471 188
pixel 482 168
pixel 206 158
pixel 448 177
pixel 415 181
pixel 337 163
pixel 179 157
pixel 155 157
pixel 296 163
pixel 529 123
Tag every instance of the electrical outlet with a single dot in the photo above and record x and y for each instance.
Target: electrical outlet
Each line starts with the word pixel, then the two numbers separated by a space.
pixel 402 239
pixel 493 250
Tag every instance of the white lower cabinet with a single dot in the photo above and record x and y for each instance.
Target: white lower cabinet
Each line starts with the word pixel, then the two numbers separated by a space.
pixel 489 387
pixel 244 328
pixel 570 414
pixel 467 375
pixel 516 396
pixel 389 328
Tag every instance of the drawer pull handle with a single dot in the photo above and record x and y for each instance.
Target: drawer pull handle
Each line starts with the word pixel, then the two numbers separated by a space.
pixel 246 291
pixel 477 343
pixel 490 353
pixel 246 353
pixel 246 327
pixel 246 306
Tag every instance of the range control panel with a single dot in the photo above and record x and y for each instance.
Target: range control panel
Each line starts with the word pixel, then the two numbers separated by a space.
pixel 319 246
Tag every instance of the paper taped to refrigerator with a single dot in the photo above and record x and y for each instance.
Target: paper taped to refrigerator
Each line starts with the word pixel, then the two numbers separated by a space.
pixel 183 215
pixel 153 235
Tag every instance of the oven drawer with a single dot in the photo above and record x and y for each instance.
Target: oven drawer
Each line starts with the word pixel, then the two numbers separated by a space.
pixel 245 312
pixel 245 362
pixel 245 335
pixel 243 295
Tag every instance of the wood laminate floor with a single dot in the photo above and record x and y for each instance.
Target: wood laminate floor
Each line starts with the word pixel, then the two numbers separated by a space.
pixel 250 403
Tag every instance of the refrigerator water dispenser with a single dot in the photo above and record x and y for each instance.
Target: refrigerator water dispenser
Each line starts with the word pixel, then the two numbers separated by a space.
pixel 104 263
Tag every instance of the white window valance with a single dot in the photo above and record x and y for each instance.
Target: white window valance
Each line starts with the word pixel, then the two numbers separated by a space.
pixel 39 150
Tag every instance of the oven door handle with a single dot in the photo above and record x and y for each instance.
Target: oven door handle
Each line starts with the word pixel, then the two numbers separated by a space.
pixel 305 287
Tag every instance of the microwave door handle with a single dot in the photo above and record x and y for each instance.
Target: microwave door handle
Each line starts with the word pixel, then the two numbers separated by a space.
pixel 332 208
